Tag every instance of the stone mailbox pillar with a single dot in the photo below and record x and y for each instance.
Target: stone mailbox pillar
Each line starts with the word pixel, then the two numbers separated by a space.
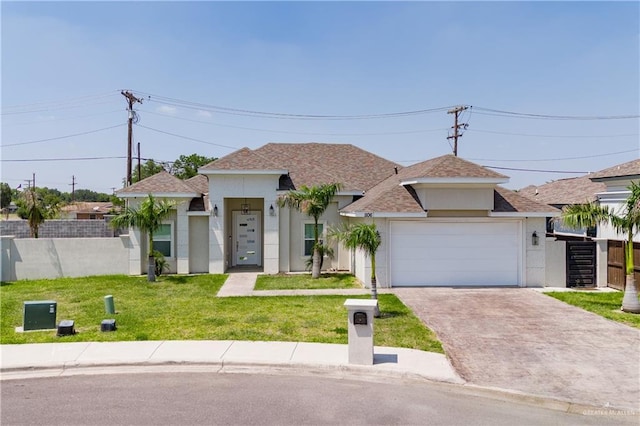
pixel 360 325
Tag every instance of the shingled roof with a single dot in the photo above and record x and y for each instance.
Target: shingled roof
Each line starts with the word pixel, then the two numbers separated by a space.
pixel 631 169
pixel 160 183
pixel 449 166
pixel 390 196
pixel 312 164
pixel 561 192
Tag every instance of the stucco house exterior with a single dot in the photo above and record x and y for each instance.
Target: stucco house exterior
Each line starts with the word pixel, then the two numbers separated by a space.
pixel 444 221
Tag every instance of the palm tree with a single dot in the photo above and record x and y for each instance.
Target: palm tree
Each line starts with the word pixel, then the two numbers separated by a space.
pixel 34 211
pixel 367 238
pixel 626 222
pixel 312 201
pixel 148 218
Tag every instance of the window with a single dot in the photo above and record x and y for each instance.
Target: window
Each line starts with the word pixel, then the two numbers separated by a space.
pixel 308 237
pixel 162 239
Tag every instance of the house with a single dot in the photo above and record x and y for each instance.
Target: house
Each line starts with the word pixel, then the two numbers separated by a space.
pixel 562 192
pixel 593 256
pixel 87 210
pixel 445 221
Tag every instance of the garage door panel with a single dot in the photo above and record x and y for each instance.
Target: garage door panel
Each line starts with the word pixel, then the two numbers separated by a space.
pixel 454 254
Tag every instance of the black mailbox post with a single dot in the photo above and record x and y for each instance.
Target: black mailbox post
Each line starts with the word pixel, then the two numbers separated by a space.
pixel 360 318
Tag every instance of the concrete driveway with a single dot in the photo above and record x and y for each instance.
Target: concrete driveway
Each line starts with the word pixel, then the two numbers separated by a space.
pixel 522 340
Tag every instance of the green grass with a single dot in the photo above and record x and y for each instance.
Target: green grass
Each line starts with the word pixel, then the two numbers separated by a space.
pixel 604 304
pixel 186 308
pixel 305 282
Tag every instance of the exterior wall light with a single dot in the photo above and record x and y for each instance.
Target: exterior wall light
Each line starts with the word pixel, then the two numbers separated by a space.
pixel 215 210
pixel 534 238
pixel 272 211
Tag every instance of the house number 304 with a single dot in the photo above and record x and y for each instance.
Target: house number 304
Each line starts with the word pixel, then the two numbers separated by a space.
pixel 368 215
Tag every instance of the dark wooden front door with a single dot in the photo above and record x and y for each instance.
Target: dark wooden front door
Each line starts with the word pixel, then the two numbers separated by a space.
pixel 581 264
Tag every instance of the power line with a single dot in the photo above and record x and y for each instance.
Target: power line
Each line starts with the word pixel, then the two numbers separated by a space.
pixel 281 115
pixel 63 137
pixel 294 132
pixel 556 136
pixel 558 159
pixel 29 160
pixel 535 170
pixel 503 113
pixel 45 109
pixel 187 138
pixel 64 101
pixel 51 120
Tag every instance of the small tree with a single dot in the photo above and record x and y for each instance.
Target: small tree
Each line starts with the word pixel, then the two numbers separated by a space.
pixel 365 237
pixel 626 222
pixel 32 208
pixel 312 201
pixel 148 218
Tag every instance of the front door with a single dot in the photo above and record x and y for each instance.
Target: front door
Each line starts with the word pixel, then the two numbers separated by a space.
pixel 247 238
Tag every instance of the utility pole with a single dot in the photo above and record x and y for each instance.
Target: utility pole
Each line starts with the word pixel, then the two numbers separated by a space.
pixel 139 170
pixel 131 99
pixel 456 134
pixel 34 181
pixel 73 189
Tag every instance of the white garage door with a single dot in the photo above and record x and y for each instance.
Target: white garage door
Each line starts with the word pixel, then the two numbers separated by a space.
pixel 454 253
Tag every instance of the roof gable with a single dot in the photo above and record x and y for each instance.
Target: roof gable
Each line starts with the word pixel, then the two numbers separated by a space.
pixel 449 166
pixel 242 159
pixel 507 201
pixel 199 182
pixel 160 183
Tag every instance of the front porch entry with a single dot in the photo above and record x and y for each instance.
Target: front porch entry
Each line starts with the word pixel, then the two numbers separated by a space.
pixel 246 238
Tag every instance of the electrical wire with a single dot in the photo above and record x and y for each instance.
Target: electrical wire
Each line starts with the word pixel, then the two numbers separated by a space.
pixel 558 159
pixel 28 160
pixel 535 170
pixel 52 120
pixel 64 101
pixel 293 132
pixel 502 113
pixel 48 109
pixel 281 115
pixel 186 137
pixel 63 137
pixel 625 135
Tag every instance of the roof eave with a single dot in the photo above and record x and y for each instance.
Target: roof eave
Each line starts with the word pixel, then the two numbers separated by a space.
pixel 385 214
pixel 277 172
pixel 525 214
pixel 455 180
pixel 158 194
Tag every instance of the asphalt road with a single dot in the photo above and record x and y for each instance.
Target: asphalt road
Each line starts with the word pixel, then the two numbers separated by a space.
pixel 241 399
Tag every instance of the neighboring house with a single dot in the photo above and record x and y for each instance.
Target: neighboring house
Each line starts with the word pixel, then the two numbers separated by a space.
pixel 560 193
pixel 445 221
pixel 87 210
pixel 616 180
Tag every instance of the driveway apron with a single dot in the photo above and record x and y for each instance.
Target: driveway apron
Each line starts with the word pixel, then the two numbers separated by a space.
pixel 525 341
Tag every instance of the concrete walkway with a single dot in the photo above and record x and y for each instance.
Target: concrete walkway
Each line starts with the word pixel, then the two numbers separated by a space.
pixel 522 340
pixel 241 284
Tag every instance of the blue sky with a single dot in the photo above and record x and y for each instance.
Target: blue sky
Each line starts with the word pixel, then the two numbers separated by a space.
pixel 64 64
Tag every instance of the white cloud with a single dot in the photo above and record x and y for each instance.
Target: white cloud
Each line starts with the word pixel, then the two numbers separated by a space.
pixel 166 109
pixel 205 114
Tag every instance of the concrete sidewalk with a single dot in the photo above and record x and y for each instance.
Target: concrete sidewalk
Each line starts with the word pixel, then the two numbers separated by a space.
pixel 56 359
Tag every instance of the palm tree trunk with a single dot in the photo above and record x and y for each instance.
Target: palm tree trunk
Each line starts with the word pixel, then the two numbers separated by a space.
pixel 630 300
pixel 315 269
pixel 151 267
pixel 374 285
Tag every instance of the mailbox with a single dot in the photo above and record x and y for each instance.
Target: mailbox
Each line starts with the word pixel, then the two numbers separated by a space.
pixel 360 318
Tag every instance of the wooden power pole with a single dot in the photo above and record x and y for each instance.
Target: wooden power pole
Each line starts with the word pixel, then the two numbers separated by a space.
pixel 131 99
pixel 456 127
pixel 73 188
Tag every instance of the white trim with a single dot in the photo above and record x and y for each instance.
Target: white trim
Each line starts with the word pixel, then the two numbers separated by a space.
pixel 525 214
pixel 242 172
pixel 158 194
pixel 454 180
pixel 198 213
pixel 399 215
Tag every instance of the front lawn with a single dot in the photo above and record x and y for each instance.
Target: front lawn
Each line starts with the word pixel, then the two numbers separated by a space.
pixel 186 308
pixel 305 282
pixel 604 304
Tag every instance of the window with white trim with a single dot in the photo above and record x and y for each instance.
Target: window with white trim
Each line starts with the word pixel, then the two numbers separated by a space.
pixel 163 239
pixel 308 237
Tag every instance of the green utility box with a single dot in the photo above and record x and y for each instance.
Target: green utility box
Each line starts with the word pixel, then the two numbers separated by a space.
pixel 39 315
